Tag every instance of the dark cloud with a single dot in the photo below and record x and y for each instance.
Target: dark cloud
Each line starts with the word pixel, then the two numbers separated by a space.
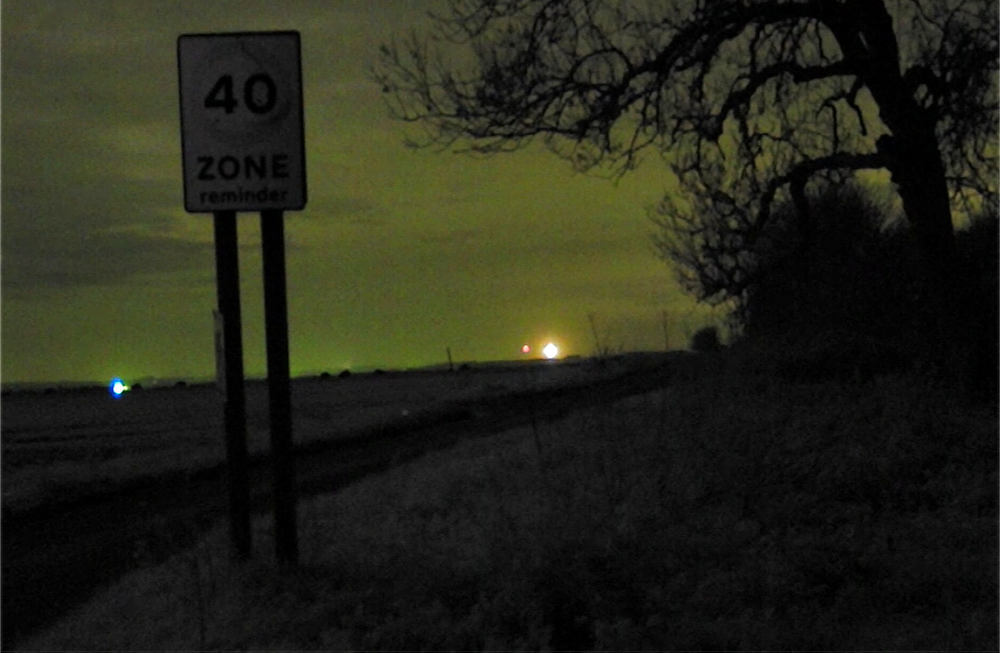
pixel 99 258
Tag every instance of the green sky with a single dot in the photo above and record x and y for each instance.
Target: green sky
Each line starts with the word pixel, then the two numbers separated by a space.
pixel 398 254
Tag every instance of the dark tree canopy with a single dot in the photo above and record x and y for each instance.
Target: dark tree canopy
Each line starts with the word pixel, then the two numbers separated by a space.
pixel 749 101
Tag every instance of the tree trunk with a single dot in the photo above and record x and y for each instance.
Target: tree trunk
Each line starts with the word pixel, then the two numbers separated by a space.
pixel 867 36
pixel 913 157
pixel 919 175
pixel 947 314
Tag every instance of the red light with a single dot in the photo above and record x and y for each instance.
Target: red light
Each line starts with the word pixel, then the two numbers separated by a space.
pixel 526 349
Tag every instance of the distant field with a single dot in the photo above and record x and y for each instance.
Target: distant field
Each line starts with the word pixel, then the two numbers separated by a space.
pixel 68 443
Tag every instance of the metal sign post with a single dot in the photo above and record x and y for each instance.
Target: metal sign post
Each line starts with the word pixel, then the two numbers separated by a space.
pixel 272 231
pixel 227 274
pixel 242 136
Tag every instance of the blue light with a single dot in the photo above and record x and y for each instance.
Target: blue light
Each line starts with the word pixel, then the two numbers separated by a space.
pixel 117 388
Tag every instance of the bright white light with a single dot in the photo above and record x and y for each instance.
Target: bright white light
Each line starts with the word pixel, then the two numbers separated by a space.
pixel 550 350
pixel 117 388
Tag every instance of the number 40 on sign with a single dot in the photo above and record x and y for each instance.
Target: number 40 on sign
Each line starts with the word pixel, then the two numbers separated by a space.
pixel 256 100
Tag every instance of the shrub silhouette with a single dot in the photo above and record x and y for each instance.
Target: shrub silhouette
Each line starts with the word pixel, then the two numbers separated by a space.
pixel 847 302
pixel 854 269
pixel 706 340
pixel 978 246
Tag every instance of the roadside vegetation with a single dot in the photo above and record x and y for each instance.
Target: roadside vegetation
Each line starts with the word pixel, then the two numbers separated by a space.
pixel 735 508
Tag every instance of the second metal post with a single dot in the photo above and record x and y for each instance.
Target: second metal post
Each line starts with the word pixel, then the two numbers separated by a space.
pixel 276 322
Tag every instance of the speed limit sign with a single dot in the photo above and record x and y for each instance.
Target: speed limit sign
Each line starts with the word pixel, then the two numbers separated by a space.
pixel 241 121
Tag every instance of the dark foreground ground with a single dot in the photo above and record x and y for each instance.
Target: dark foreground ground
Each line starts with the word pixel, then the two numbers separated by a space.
pixel 744 500
pixel 57 553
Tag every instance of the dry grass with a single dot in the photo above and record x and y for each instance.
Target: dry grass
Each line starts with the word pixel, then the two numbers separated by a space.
pixel 729 511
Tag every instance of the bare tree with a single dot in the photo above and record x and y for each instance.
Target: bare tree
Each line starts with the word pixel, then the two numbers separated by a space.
pixel 748 101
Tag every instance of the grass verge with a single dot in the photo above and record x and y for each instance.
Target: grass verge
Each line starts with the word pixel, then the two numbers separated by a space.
pixel 728 511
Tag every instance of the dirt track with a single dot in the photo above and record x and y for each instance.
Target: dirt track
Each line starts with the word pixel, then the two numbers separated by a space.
pixel 55 557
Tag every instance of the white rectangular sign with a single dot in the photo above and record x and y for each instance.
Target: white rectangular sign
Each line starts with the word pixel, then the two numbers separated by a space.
pixel 242 132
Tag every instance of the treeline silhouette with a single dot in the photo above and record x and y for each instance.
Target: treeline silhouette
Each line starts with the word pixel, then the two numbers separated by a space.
pixel 844 289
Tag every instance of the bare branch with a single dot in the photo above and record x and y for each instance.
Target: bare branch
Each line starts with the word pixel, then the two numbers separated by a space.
pixel 747 101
